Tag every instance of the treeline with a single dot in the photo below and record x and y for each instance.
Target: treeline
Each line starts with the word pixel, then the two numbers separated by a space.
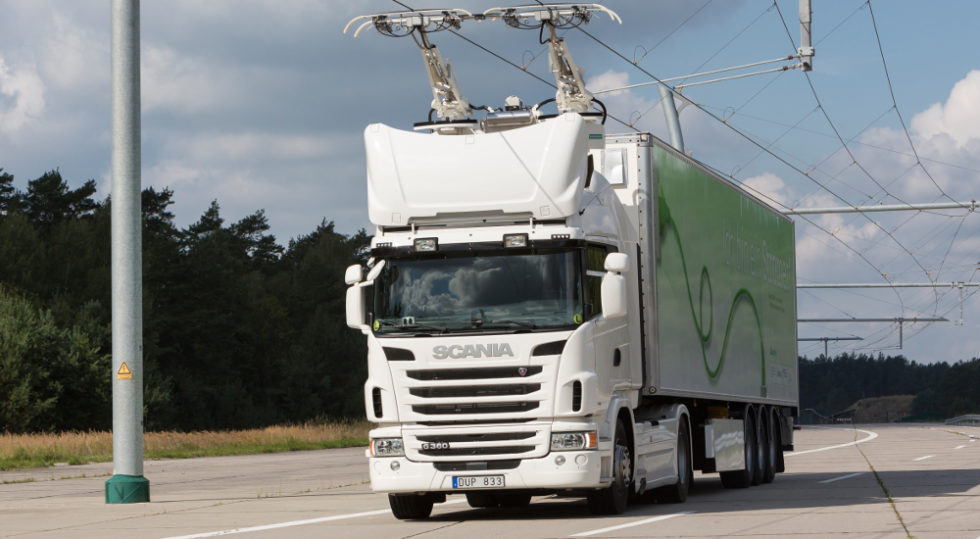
pixel 942 391
pixel 239 331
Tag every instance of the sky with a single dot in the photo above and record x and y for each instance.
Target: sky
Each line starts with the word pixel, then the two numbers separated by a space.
pixel 261 104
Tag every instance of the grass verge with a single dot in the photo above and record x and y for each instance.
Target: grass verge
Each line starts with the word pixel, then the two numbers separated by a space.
pixel 22 451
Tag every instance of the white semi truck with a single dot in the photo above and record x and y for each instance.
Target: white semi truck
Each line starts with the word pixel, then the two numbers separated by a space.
pixel 553 309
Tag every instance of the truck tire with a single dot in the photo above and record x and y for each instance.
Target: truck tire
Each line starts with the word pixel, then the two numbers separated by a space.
pixel 613 499
pixel 677 493
pixel 743 478
pixel 760 446
pixel 771 460
pixel 410 506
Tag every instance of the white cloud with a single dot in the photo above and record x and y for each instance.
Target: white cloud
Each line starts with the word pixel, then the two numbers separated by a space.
pixel 958 118
pixel 770 187
pixel 627 105
pixel 178 83
pixel 74 57
pixel 262 146
pixel 21 97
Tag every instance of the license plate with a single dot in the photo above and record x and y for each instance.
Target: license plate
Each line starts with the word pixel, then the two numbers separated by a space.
pixel 478 481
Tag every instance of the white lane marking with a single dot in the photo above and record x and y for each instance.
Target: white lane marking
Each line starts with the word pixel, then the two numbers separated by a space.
pixel 924 458
pixel 294 523
pixel 960 447
pixel 848 476
pixel 631 524
pixel 870 436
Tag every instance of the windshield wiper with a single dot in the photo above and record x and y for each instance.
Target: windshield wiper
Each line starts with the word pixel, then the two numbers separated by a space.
pixel 413 326
pixel 528 325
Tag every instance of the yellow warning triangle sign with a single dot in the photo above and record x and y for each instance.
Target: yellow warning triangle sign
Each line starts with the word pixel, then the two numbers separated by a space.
pixel 124 373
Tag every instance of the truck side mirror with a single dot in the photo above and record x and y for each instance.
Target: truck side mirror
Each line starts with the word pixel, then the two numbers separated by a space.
pixel 614 286
pixel 618 262
pixel 354 274
pixel 355 306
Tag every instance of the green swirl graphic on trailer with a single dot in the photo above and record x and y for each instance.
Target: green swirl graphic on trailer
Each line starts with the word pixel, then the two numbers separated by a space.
pixel 667 224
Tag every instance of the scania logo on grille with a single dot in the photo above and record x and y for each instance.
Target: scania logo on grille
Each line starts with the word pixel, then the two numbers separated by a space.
pixel 459 351
pixel 522 371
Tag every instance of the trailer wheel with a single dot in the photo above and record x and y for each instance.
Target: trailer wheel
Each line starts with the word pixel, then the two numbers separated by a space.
pixel 771 447
pixel 743 478
pixel 760 446
pixel 613 499
pixel 677 492
pixel 410 506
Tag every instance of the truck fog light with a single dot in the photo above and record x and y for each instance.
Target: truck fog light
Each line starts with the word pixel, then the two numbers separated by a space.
pixel 581 460
pixel 559 460
pixel 387 447
pixel 574 441
pixel 395 466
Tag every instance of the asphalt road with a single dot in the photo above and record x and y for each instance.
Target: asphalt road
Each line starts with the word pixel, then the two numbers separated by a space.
pixel 898 481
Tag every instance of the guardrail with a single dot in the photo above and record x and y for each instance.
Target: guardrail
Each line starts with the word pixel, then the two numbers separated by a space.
pixel 968 419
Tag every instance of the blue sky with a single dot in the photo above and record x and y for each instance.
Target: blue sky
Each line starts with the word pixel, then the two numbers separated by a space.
pixel 261 104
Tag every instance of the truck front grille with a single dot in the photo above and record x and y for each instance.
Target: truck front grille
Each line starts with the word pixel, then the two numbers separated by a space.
pixel 469 447
pixel 474 408
pixel 474 373
pixel 475 413
pixel 476 465
pixel 474 391
pixel 478 451
pixel 479 437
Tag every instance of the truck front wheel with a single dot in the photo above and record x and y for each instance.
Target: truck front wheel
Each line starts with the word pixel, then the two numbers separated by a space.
pixel 410 506
pixel 613 500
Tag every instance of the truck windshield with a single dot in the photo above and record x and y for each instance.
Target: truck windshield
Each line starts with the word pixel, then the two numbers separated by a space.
pixel 479 292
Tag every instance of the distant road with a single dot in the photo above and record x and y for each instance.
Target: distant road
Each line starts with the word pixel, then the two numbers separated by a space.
pixel 837 485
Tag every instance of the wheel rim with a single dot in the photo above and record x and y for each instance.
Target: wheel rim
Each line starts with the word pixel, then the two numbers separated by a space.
pixel 761 445
pixel 623 464
pixel 751 442
pixel 772 444
pixel 682 465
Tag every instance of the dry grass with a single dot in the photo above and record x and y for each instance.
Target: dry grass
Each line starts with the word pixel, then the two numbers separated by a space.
pixel 19 451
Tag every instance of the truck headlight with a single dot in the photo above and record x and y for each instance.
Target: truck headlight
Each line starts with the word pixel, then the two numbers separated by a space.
pixel 387 447
pixel 574 441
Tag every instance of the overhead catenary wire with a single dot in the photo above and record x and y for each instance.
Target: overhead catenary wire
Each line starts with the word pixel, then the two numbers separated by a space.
pixel 704 63
pixel 510 63
pixel 751 139
pixel 891 92
pixel 666 37
pixel 847 149
pixel 759 145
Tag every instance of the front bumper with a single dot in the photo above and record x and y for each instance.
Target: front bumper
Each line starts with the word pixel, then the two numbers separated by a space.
pixel 580 469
